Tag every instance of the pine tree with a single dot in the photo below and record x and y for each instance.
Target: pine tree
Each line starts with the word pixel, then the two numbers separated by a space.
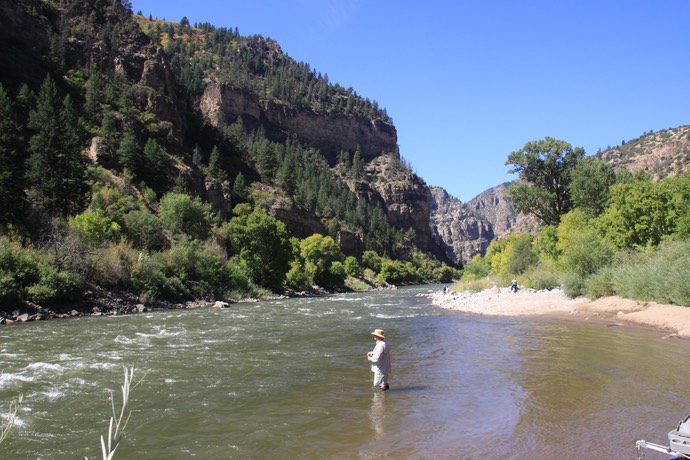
pixel 154 165
pixel 75 188
pixel 93 92
pixel 12 194
pixel 240 191
pixel 130 155
pixel 357 164
pixel 56 168
pixel 24 103
pixel 214 166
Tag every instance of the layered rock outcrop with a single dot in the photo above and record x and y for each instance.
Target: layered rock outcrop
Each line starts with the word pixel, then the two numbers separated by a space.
pixel 222 104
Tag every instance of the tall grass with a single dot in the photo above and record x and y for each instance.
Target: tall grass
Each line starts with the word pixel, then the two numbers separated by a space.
pixel 119 420
pixel 662 276
pixel 11 418
pixel 472 285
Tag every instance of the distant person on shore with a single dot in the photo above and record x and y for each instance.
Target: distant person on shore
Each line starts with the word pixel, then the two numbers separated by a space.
pixel 445 290
pixel 513 285
pixel 380 359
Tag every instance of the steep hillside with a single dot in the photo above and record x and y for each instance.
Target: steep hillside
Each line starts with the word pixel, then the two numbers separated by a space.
pixel 661 154
pixel 234 117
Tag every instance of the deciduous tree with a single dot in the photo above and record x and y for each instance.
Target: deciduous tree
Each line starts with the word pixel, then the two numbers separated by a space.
pixel 544 168
pixel 180 213
pixel 589 186
pixel 263 244
pixel 643 213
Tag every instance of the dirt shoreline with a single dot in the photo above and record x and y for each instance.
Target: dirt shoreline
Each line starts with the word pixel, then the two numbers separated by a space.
pixel 502 302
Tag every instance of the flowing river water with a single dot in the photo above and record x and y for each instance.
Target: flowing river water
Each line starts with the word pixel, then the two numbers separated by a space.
pixel 289 379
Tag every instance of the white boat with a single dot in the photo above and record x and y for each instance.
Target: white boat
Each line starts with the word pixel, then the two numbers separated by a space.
pixel 678 439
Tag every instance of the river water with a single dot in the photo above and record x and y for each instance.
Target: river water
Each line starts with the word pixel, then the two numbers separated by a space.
pixel 289 379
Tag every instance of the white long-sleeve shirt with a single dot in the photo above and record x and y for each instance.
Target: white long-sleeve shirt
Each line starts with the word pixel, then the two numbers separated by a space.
pixel 381 357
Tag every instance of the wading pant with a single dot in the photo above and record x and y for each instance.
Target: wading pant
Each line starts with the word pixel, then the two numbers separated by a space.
pixel 380 379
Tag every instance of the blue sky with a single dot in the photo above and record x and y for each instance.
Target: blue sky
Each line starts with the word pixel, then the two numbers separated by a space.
pixel 466 83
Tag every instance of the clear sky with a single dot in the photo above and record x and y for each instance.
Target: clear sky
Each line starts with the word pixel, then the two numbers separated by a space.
pixel 468 82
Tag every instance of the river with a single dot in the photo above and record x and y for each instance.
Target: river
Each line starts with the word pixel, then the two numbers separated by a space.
pixel 289 379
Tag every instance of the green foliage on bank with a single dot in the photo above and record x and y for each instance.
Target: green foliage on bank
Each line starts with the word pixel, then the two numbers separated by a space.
pixel 622 234
pixel 251 255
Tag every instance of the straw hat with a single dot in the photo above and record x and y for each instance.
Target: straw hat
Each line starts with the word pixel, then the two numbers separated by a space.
pixel 378 333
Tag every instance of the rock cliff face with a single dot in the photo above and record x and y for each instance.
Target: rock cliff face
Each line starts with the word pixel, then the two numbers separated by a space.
pixel 24 33
pixel 406 199
pixel 466 229
pixel 492 206
pixel 403 195
pixel 221 105
pixel 28 29
pixel 459 231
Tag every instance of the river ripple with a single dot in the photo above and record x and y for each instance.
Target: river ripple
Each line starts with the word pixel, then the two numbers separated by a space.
pixel 289 379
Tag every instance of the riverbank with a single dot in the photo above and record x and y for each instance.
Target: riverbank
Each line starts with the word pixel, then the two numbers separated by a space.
pixel 500 301
pixel 111 303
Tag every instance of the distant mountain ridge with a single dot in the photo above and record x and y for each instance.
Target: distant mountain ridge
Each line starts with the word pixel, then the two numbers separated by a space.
pixel 661 154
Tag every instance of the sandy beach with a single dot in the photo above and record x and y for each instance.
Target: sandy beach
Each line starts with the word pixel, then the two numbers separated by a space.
pixel 500 301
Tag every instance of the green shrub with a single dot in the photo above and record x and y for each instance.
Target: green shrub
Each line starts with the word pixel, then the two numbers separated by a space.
pixel 444 274
pixel 19 268
pixel 372 261
pixel 337 273
pixel 238 273
pixel 9 289
pixel 352 267
pixel 392 272
pixel 144 230
pixel 574 285
pixel 96 227
pixel 369 275
pixel 180 213
pixel 55 287
pixel 660 276
pixel 477 268
pixel 113 264
pixel 298 276
pixel 319 254
pixel 521 255
pixel 583 251
pixel 263 243
pixel 149 278
pixel 543 278
pixel 601 284
pixel 471 285
pixel 356 284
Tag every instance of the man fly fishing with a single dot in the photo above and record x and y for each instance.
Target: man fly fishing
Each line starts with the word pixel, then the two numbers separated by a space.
pixel 380 359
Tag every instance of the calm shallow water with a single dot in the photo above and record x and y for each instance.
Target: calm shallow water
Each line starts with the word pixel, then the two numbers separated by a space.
pixel 288 379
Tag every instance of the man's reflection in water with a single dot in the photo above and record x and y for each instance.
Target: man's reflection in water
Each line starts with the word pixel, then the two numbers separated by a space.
pixel 377 414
